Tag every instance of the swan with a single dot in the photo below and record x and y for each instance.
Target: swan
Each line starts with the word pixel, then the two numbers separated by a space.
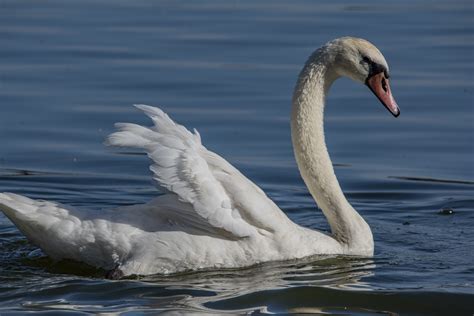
pixel 211 215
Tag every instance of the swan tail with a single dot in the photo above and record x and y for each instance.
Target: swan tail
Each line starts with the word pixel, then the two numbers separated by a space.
pixel 37 219
pixel 24 213
pixel 17 207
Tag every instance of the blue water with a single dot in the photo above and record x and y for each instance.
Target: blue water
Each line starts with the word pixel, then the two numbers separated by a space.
pixel 69 70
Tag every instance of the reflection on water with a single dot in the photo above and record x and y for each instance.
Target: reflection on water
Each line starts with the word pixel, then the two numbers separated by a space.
pixel 68 71
pixel 318 271
pixel 194 290
pixel 313 285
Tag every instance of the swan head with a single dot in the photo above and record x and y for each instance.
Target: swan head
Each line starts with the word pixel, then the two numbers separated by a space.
pixel 361 61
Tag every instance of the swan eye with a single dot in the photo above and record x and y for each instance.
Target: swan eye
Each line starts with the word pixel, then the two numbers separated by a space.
pixel 367 60
pixel 384 84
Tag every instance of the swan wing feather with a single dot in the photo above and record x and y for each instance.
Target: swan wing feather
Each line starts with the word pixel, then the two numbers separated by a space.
pixel 183 166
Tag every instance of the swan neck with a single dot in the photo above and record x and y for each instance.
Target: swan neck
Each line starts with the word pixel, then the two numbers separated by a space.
pixel 312 157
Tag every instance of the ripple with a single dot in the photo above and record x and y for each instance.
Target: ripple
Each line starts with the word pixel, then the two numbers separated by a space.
pixel 324 300
pixel 70 70
pixel 423 179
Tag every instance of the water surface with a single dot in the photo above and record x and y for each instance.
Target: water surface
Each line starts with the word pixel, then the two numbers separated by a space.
pixel 69 70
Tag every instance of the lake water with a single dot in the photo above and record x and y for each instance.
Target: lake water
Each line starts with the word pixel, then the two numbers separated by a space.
pixel 69 70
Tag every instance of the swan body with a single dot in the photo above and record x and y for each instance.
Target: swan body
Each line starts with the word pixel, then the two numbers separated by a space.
pixel 210 215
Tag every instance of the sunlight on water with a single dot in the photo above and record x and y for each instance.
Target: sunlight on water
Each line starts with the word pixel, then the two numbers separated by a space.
pixel 69 71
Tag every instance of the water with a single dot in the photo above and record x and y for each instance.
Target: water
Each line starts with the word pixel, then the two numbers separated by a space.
pixel 69 70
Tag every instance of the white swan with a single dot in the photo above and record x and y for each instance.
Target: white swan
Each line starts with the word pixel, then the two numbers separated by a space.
pixel 211 215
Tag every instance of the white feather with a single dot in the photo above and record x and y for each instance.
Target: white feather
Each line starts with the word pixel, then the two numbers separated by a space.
pixel 180 166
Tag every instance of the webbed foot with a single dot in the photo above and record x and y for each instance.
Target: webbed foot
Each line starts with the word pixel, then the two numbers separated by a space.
pixel 114 274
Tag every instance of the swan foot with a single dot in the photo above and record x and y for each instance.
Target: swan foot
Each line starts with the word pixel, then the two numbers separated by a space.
pixel 114 274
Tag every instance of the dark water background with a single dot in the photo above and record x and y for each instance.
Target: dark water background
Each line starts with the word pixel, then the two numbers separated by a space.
pixel 69 70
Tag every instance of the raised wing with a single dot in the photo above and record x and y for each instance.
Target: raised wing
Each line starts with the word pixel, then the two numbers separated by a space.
pixel 218 192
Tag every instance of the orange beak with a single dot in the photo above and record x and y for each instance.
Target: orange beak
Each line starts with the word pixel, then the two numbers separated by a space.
pixel 380 86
